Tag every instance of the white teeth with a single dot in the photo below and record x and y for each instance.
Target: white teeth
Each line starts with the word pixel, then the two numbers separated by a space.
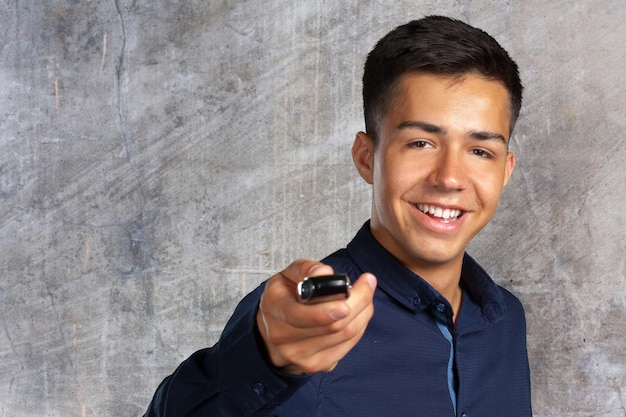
pixel 446 214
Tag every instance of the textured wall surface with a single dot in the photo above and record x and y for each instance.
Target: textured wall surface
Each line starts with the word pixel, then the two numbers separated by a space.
pixel 160 159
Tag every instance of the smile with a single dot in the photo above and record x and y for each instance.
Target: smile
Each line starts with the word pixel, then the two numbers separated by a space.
pixel 448 215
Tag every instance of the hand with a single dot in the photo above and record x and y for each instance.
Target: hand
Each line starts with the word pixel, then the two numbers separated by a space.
pixel 310 338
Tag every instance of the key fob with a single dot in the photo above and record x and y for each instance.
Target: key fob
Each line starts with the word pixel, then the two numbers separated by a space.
pixel 323 288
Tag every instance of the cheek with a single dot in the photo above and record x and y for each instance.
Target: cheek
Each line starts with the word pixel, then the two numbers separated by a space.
pixel 398 172
pixel 489 189
pixel 390 185
pixel 393 182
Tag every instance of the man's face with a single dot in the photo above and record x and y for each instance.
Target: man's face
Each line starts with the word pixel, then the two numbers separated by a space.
pixel 438 168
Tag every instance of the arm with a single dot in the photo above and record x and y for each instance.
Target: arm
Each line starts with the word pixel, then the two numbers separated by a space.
pixel 268 344
pixel 232 378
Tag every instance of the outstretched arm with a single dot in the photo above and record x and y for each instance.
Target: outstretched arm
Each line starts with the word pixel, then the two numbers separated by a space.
pixel 268 344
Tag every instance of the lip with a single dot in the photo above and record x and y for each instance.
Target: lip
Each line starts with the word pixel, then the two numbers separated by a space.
pixel 437 224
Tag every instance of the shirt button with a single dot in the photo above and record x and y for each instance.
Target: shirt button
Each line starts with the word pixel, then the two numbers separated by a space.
pixel 463 414
pixel 417 301
pixel 258 388
pixel 441 307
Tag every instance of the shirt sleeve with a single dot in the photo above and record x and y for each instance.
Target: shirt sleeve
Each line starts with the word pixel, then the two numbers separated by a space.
pixel 233 378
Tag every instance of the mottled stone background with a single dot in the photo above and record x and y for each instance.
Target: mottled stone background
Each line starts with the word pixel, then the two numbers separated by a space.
pixel 160 159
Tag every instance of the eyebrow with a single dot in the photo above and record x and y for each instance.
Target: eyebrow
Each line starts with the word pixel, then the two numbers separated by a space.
pixel 426 127
pixel 440 130
pixel 488 136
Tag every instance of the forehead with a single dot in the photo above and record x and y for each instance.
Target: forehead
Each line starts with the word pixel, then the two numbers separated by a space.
pixel 469 100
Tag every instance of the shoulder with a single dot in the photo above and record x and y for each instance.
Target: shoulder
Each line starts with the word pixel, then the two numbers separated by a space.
pixel 514 315
pixel 513 304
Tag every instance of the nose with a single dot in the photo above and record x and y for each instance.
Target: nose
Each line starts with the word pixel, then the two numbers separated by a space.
pixel 448 172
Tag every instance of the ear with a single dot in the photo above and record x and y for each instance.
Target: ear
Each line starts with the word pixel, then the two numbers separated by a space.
pixel 363 156
pixel 508 168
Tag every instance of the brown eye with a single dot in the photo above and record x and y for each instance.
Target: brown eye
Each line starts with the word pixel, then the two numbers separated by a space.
pixel 482 153
pixel 419 144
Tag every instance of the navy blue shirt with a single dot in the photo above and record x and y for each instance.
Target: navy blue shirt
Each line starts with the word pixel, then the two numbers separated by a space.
pixel 412 360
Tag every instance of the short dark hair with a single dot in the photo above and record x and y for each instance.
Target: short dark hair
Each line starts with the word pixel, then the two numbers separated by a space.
pixel 435 45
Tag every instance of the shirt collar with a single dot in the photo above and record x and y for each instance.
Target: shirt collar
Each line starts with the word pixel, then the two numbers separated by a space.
pixel 413 292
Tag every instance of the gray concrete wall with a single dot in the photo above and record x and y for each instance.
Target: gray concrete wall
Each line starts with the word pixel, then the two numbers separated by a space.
pixel 160 159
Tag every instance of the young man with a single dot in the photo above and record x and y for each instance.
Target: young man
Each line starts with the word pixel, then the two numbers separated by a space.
pixel 441 99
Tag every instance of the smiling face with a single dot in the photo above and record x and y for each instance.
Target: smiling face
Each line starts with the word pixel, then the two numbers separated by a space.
pixel 438 168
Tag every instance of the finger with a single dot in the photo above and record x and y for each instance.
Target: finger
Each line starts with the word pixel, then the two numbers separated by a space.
pixel 321 354
pixel 306 362
pixel 287 311
pixel 362 292
pixel 302 268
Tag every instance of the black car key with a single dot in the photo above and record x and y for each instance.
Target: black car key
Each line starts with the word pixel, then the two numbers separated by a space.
pixel 323 288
